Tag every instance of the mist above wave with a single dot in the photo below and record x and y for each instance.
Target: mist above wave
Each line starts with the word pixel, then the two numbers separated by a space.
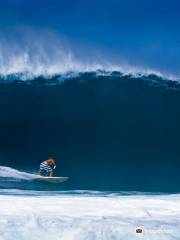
pixel 27 54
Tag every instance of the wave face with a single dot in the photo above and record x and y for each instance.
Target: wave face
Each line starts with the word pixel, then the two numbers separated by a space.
pixel 79 215
pixel 108 130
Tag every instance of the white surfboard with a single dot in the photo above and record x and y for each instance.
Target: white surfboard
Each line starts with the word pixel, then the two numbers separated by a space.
pixel 51 179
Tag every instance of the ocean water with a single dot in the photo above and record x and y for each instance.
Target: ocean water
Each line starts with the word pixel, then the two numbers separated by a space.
pixel 115 135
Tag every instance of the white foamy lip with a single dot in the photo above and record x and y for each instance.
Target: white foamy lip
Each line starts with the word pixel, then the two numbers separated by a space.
pixel 34 53
pixel 28 68
pixel 69 217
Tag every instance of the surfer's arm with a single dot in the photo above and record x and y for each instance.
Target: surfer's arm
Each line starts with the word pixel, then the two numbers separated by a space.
pixel 51 174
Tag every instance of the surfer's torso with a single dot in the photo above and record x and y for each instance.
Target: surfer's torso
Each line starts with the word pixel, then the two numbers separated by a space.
pixel 45 169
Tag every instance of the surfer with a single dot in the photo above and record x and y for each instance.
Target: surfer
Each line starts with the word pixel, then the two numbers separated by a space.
pixel 47 167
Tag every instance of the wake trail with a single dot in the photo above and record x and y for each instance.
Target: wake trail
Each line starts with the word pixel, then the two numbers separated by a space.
pixel 11 173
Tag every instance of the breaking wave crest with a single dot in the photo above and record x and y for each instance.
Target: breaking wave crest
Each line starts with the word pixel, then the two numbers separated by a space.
pixel 45 79
pixel 33 54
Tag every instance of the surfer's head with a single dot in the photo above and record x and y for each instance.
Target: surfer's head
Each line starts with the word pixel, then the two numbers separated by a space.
pixel 51 161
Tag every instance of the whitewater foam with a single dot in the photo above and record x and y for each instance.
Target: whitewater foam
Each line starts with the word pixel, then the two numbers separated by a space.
pixel 69 217
pixel 80 214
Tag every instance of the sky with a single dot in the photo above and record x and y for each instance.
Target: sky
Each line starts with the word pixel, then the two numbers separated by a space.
pixel 141 33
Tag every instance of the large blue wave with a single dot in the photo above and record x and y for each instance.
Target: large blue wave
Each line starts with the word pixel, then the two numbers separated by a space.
pixel 108 130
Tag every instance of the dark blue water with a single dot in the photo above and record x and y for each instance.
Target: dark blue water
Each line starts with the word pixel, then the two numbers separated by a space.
pixel 108 132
